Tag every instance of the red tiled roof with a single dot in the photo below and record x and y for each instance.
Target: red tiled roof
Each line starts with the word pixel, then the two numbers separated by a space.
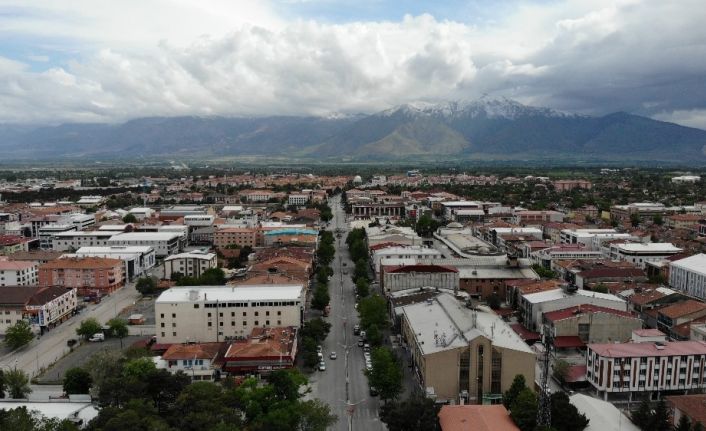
pixel 192 351
pixel 476 418
pixel 568 341
pixel 83 263
pixel 612 272
pixel 525 333
pixel 683 308
pixel 12 240
pixel 627 350
pixel 648 333
pixel 584 308
pixel 577 373
pixel 693 406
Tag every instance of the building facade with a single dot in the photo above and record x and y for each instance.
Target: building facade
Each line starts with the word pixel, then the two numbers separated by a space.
pixel 18 273
pixel 192 264
pixel 688 275
pixel 90 275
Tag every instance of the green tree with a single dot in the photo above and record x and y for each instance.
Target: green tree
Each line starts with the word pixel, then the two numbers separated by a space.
pixel 321 298
pixel 361 270
pixel 565 416
pixel 362 288
pixel 635 220
pixel 414 414
pixel 386 373
pixel 18 335
pixel 325 253
pixel 316 328
pixel 660 418
pixel 3 385
pixel 600 288
pixel 373 311
pixel 77 381
pixel 17 383
pixel 21 419
pixel 518 384
pixel 286 384
pixel 138 368
pixel 643 415
pixel 146 285
pixel 314 415
pixel 523 410
pixel 213 277
pixel 658 220
pixel 118 329
pixel 309 352
pixel 561 370
pixel 426 226
pixel 89 327
pixel 129 218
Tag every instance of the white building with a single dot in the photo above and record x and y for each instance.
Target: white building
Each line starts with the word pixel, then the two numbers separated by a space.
pixel 218 313
pixel 163 243
pixel 191 264
pixel 689 275
pixel 18 273
pixel 639 254
pixel 199 220
pixel 73 240
pixel 81 221
pixel 593 238
pixel 416 252
pixel 90 201
pixel 533 306
pixel 297 199
pixel 142 213
pixel 46 233
pixel 686 179
pixel 138 259
pixel 52 305
pixel 451 207
pixel 632 368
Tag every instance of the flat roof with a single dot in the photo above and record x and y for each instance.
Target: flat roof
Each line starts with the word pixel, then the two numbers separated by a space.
pixel 556 294
pixel 145 236
pixel 664 348
pixel 695 263
pixel 652 247
pixel 230 293
pixel 71 234
pixel 116 249
pixel 192 255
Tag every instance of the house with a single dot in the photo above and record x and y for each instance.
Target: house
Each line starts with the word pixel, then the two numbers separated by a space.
pixel 196 360
pixel 476 418
pixel 265 350
pixel 692 406
pixel 679 313
pixel 192 264
pixel 10 244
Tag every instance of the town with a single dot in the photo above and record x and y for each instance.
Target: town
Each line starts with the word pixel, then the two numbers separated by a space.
pixel 383 300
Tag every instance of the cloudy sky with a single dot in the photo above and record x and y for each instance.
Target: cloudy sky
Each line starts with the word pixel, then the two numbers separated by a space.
pixel 112 60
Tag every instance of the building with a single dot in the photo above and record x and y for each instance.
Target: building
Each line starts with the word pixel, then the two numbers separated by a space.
pixel 522 218
pixel 534 305
pixel 462 354
pixel 568 185
pixel 639 254
pixel 163 243
pixel 592 239
pixel 590 324
pixel 411 252
pixel 265 350
pixel 405 277
pixel 192 264
pixel 208 313
pixel 633 368
pixel 642 210
pixel 297 199
pixel 602 415
pixel 43 307
pixel 18 273
pixel 251 237
pixel 687 179
pixel 194 360
pixel 10 244
pixel 680 313
pixel 73 240
pixel 137 259
pixel 476 418
pixel 47 232
pixel 691 406
pixel 370 210
pixel 90 275
pixel 688 275
pixel 284 236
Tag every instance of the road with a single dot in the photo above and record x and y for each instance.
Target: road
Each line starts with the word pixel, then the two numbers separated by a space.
pixel 343 385
pixel 43 352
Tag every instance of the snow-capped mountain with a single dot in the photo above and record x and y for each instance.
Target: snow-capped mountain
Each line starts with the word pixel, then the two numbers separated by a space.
pixel 484 107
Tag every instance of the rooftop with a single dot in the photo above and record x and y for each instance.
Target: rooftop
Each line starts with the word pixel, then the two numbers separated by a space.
pixel 83 263
pixel 556 294
pixel 264 342
pixel 15 265
pixel 581 309
pixel 693 406
pixel 631 350
pixel 654 247
pixel 683 308
pixel 227 293
pixel 192 351
pixel 476 418
pixel 192 255
pixel 145 236
pixel 695 263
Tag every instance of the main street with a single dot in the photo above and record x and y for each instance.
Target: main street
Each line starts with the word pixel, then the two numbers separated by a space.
pixel 343 385
pixel 46 350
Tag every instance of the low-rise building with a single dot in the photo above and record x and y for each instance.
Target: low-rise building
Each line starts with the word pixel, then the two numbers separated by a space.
pixel 476 418
pixel 462 354
pixel 18 273
pixel 10 244
pixel 251 237
pixel 405 277
pixel 137 259
pixel 411 252
pixel 634 368
pixel 73 240
pixel 639 254
pixel 688 275
pixel 265 350
pixel 44 307
pixel 192 264
pixel 218 313
pixel 590 324
pixel 196 360
pixel 692 406
pixel 671 316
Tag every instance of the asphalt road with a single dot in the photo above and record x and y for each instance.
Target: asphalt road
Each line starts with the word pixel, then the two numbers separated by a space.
pixel 343 385
pixel 43 352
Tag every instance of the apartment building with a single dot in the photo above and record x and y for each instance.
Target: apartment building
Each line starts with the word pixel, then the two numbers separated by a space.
pixel 45 307
pixel 688 275
pixel 639 254
pixel 635 368
pixel 18 273
pixel 226 236
pixel 163 243
pixel 137 259
pixel 73 240
pixel 192 264
pixel 87 274
pixel 220 313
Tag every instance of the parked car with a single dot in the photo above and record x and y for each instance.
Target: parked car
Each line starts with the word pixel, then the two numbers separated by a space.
pixel 99 336
pixel 319 349
pixel 356 330
pixel 71 342
pixel 366 347
pixel 332 355
pixel 322 366
pixel 373 391
pixel 360 342
pixel 362 334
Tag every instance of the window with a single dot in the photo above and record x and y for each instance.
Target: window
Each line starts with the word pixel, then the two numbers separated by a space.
pixel 220 323
pixel 209 314
pixel 232 323
pixel 173 315
pixel 162 324
pixel 257 323
pixel 162 315
pixel 267 313
pixel 196 305
pixel 210 324
pixel 257 313
pixel 267 322
pixel 279 313
pixel 162 334
pixel 245 314
pixel 279 322
pixel 173 334
pixel 245 323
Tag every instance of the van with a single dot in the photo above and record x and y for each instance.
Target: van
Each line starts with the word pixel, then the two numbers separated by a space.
pixel 98 336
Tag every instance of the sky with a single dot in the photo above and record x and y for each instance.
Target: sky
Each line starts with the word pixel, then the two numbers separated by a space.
pixel 114 60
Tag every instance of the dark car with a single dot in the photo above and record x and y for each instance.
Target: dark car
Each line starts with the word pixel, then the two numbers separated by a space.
pixel 360 342
pixel 373 391
pixel 71 342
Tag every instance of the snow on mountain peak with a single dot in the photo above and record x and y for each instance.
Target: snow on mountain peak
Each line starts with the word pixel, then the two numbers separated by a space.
pixel 485 106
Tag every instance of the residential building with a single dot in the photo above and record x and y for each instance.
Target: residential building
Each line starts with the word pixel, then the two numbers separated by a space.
pixel 44 307
pixel 192 264
pixel 87 274
pixel 371 210
pixel 634 368
pixel 671 316
pixel 73 240
pixel 462 354
pixel 692 406
pixel 265 350
pixel 405 277
pixel 163 243
pixel 47 232
pixel 593 238
pixel 137 259
pixel 688 275
pixel 284 236
pixel 590 324
pixel 196 360
pixel 251 237
pixel 522 218
pixel 18 273
pixel 13 300
pixel 697 332
pixel 219 313
pixel 643 210
pixel 142 213
pixel 10 244
pixel 297 199
pixel 476 418
pixel 568 185
pixel 411 252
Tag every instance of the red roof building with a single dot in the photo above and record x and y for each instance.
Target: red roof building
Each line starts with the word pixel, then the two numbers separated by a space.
pixel 476 418
pixel 265 350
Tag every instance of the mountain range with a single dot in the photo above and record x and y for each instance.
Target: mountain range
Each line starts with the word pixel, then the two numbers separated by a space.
pixel 499 129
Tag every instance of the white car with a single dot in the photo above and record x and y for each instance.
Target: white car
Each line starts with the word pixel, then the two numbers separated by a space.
pixel 99 336
pixel 332 355
pixel 322 366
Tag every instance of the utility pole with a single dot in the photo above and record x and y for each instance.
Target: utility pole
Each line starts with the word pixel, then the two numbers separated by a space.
pixel 544 410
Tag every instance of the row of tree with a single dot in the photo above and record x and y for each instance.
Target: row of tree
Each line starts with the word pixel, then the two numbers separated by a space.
pixel 658 418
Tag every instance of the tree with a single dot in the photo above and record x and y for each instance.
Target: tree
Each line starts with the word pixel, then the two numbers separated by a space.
pixel 17 383
pixel 362 288
pixel 414 414
pixel 321 298
pixel 77 381
pixel 561 370
pixel 565 416
pixel 518 384
pixel 212 277
pixel 494 301
pixel 286 384
pixel 361 270
pixel 660 418
pixel 118 329
pixel 21 419
pixel 635 220
pixel 146 285
pixel 18 335
pixel 643 415
pixel 658 220
pixel 523 410
pixel 373 311
pixel 698 426
pixel 89 327
pixel 426 226
pixel 684 424
pixel 386 373
pixel 374 335
pixel 138 368
pixel 2 384
pixel 129 218
pixel 316 328
pixel 600 288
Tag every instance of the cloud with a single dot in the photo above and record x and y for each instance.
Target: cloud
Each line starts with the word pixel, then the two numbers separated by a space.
pixel 214 58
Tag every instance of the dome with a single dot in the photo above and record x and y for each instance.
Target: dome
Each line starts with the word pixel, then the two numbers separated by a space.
pixel 357 179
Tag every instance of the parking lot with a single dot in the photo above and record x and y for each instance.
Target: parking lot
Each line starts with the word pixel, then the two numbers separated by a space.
pixel 144 306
